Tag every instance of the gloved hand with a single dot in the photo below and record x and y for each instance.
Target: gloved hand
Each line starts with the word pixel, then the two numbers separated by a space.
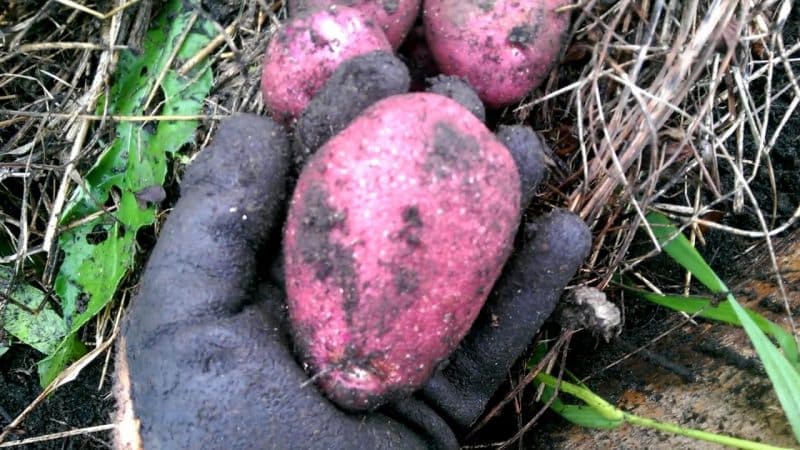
pixel 204 358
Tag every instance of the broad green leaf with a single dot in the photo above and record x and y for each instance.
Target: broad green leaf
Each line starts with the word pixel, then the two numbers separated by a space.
pixel 34 323
pixel 781 367
pixel 70 349
pixel 100 253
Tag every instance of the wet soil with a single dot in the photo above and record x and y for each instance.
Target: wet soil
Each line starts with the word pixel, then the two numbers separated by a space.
pixel 78 404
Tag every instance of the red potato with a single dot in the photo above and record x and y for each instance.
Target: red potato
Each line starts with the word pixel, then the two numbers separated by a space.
pixel 304 52
pixel 397 230
pixel 395 17
pixel 503 48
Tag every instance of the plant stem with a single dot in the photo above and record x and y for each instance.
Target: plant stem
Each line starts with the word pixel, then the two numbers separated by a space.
pixel 611 412
pixel 697 434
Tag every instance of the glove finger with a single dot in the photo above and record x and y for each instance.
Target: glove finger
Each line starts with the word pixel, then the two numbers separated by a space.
pixel 527 149
pixel 355 85
pixel 204 262
pixel 459 91
pixel 553 248
pixel 420 417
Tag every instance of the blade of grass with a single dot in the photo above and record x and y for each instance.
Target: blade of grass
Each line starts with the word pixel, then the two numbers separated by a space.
pixel 785 378
pixel 606 415
pixel 582 415
pixel 681 250
pixel 723 312
pixel 781 367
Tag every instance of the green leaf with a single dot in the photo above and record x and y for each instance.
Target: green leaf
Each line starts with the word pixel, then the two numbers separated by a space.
pixel 597 413
pixel 723 312
pixel 595 402
pixel 781 367
pixel 28 318
pixel 70 349
pixel 785 378
pixel 581 415
pixel 100 253
pixel 681 250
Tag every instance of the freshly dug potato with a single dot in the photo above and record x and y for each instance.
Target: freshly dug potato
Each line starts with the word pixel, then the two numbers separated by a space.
pixel 397 230
pixel 395 17
pixel 549 252
pixel 302 55
pixel 503 48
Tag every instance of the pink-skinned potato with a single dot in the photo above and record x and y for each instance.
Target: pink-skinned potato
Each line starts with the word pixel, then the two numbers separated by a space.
pixel 503 48
pixel 396 232
pixel 395 17
pixel 306 50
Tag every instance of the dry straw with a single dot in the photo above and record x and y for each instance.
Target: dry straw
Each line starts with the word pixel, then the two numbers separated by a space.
pixel 669 93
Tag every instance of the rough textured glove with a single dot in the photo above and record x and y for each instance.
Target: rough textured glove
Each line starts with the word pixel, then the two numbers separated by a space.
pixel 204 359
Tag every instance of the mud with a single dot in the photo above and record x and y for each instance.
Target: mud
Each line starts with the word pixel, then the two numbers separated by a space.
pixel 329 258
pixel 78 404
pixel 452 151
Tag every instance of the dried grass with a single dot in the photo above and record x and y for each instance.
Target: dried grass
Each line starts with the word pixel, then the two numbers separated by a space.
pixel 664 99
pixel 662 104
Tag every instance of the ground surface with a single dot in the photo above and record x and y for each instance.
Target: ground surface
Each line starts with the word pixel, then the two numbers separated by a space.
pixel 708 377
pixel 79 404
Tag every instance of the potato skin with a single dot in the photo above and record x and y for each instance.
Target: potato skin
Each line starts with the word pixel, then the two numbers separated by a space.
pixel 395 17
pixel 549 251
pixel 305 51
pixel 397 230
pixel 503 48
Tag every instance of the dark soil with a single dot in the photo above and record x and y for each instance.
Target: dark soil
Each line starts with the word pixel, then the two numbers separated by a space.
pixel 78 404
pixel 785 155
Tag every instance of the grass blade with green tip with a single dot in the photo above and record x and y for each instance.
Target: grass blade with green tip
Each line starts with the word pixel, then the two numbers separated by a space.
pixel 781 366
pixel 723 312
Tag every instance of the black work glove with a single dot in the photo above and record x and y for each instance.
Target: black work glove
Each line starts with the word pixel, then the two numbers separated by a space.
pixel 205 360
